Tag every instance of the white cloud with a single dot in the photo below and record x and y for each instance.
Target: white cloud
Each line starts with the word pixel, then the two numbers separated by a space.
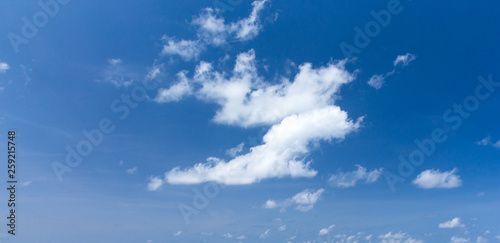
pixel 398 238
pixel 241 237
pixel 404 59
pixel 325 231
pixel 376 81
pixel 186 49
pixel 349 179
pixel 176 91
pixel 393 236
pixel 155 72
pixel 26 183
pixel 282 228
pixel 118 74
pixel 455 239
pixel 236 150
pixel 249 27
pixel 178 233
pixel 480 239
pixel 497 144
pixel 132 170
pixel 304 200
pixel 485 141
pixel 271 204
pixel 227 235
pixel 302 112
pixel 154 183
pixel 115 61
pixel 4 67
pixel 265 234
pixel 454 223
pixel 246 100
pixel 436 179
pixel 212 30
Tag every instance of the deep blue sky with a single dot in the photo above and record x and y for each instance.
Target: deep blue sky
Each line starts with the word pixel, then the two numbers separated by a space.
pixel 65 78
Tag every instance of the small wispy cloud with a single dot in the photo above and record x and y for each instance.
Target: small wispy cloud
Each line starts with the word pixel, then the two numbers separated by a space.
pixel 4 67
pixel 132 171
pixel 117 73
pixel 186 49
pixel 265 234
pixel 304 201
pixel 235 150
pixel 456 239
pixel 176 91
pixel 481 239
pixel 154 183
pixel 404 60
pixel 378 80
pixel 454 223
pixel 349 179
pixel 487 141
pixel 115 61
pixel 325 231
pixel 436 179
pixel 26 183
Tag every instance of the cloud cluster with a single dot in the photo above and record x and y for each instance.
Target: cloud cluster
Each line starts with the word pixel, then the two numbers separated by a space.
pixel 436 179
pixel 398 238
pixel 212 30
pixel 303 201
pixel 301 112
pixel 455 239
pixel 349 179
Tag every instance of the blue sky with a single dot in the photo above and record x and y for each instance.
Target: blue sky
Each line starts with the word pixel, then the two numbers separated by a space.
pixel 241 121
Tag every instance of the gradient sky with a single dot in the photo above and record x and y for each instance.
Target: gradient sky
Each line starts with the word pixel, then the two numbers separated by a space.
pixel 241 121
